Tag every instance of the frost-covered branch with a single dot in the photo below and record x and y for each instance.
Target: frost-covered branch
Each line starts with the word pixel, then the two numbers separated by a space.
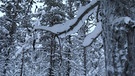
pixel 90 38
pixel 71 26
pixel 127 20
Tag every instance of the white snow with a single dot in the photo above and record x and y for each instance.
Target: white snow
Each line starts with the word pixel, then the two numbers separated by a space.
pixel 110 68
pixel 37 22
pixel 27 37
pixel 21 48
pixel 4 29
pixel 78 26
pixel 124 58
pixel 127 19
pixel 89 38
pixel 65 26
pixel 64 1
pixel 18 51
pixel 82 9
pixel 36 5
pixel 58 27
pixel 1 13
pixel 120 69
pixel 122 19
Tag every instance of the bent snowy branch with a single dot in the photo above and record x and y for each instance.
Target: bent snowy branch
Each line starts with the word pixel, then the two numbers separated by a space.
pixel 72 26
pixel 90 38
pixel 127 20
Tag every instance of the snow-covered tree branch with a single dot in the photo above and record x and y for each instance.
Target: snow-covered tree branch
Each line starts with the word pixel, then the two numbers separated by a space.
pixel 67 38
pixel 93 35
pixel 71 26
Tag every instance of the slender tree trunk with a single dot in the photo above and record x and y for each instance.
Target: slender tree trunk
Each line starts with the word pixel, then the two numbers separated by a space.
pixel 85 62
pixel 69 57
pixel 6 62
pixel 71 16
pixel 118 44
pixel 52 51
pixel 11 40
pixel 51 61
pixel 22 61
pixel 130 67
pixel 60 57
pixel 68 64
pixel 82 33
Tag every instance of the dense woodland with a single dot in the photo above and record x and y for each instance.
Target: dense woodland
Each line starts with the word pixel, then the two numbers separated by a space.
pixel 67 38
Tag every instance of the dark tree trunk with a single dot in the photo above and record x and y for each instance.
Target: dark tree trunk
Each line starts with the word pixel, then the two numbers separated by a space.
pixel 22 65
pixel 52 52
pixel 130 69
pixel 7 52
pixel 6 62
pixel 85 62
pixel 69 57
pixel 118 43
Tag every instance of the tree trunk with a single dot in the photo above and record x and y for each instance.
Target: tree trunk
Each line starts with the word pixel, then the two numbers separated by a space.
pixel 6 62
pixel 130 70
pixel 85 62
pixel 69 57
pixel 52 51
pixel 118 43
pixel 22 63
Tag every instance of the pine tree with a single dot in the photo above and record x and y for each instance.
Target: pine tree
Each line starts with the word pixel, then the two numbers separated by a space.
pixel 54 14
pixel 15 14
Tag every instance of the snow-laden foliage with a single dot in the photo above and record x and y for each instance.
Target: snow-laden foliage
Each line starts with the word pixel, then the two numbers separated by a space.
pixel 74 24
pixel 47 39
pixel 97 31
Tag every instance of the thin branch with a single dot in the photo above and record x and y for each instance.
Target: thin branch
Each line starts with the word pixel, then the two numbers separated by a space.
pixel 97 13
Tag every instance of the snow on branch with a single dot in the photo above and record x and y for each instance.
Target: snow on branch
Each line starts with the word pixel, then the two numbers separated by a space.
pixel 126 20
pixel 89 39
pixel 72 26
